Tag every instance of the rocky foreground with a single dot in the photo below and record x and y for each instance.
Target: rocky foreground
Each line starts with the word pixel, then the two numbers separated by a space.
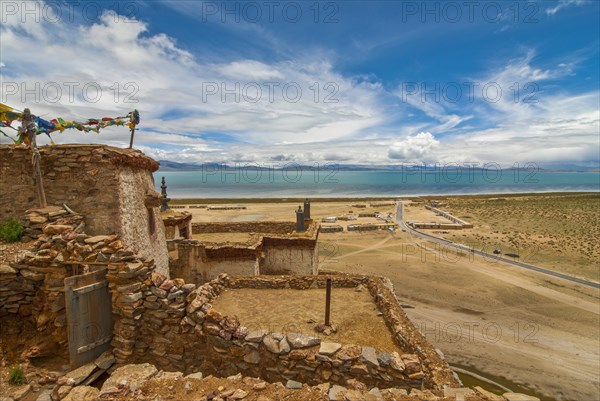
pixel 103 381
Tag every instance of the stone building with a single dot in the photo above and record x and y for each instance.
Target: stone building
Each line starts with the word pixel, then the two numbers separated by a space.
pixel 178 225
pixel 278 249
pixel 112 188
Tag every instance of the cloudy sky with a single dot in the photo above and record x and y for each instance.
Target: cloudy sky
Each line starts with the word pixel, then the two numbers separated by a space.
pixel 353 82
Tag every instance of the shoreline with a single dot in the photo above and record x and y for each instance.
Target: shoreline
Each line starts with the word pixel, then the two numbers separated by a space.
pixel 185 200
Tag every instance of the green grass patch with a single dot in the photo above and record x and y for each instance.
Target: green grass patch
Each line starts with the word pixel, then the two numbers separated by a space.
pixel 16 375
pixel 11 230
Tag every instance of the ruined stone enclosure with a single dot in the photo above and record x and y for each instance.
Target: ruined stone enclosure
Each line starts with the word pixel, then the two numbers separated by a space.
pixel 244 249
pixel 112 188
pixel 189 329
pixel 179 326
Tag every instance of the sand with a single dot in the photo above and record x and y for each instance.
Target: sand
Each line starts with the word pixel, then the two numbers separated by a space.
pixel 559 232
pixel 298 311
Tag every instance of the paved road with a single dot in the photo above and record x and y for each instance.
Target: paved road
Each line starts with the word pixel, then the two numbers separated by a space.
pixel 403 226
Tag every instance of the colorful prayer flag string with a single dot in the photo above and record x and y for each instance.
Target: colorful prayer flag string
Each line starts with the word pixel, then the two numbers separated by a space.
pixel 9 114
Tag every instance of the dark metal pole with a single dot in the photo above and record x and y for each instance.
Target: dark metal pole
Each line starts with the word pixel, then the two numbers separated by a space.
pixel 328 302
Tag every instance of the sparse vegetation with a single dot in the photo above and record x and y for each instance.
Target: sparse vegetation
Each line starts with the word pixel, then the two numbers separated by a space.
pixel 11 230
pixel 16 375
pixel 558 231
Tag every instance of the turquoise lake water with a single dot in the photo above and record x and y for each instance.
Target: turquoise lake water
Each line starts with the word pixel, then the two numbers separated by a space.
pixel 296 182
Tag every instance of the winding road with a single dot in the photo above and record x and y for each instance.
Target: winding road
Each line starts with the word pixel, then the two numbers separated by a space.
pixel 402 225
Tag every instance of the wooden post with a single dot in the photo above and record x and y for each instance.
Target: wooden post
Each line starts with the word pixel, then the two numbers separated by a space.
pixel 131 140
pixel 28 126
pixel 328 302
pixel 134 120
pixel 38 178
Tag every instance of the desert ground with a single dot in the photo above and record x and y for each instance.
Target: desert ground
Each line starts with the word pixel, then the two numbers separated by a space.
pixel 298 311
pixel 559 232
pixel 524 330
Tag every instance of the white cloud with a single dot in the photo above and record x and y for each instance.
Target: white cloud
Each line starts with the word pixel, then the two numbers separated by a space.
pixel 564 4
pixel 250 70
pixel 270 103
pixel 413 148
pixel 557 127
pixel 349 119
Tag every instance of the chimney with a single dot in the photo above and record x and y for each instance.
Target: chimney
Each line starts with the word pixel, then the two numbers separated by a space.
pixel 164 202
pixel 306 209
pixel 299 220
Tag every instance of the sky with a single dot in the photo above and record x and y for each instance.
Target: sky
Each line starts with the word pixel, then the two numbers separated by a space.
pixel 349 82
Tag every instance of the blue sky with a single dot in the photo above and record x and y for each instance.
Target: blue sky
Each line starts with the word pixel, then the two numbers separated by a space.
pixel 355 82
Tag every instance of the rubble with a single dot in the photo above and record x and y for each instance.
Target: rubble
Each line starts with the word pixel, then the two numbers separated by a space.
pixel 146 382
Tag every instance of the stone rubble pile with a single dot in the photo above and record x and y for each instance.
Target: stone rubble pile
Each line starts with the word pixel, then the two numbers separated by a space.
pixel 36 219
pixel 77 384
pixel 144 382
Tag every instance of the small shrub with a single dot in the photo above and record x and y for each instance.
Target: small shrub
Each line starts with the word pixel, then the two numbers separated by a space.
pixel 11 230
pixel 16 375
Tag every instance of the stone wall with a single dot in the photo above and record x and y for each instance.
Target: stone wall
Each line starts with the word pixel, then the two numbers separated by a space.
pixel 286 259
pixel 141 227
pixel 134 382
pixel 436 371
pixel 450 217
pixel 436 226
pixel 81 176
pixel 17 290
pixel 270 227
pixel 198 263
pixel 279 250
pixel 173 325
pixel 104 184
pixel 332 229
pixel 371 227
pixel 33 286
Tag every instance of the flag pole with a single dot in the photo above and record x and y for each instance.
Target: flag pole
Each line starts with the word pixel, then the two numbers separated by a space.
pixel 131 139
pixel 29 129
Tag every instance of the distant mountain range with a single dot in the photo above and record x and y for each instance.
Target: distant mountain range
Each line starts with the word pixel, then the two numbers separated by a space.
pixel 167 165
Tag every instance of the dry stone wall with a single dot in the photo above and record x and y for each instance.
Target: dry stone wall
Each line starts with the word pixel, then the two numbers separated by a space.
pixel 17 291
pixel 198 263
pixel 81 176
pixel 106 185
pixel 146 382
pixel 33 286
pixel 173 325
pixel 273 227
pixel 279 250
